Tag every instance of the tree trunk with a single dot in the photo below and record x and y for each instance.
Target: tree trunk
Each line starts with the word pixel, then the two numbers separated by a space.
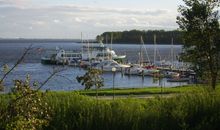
pixel 213 70
pixel 96 92
pixel 213 80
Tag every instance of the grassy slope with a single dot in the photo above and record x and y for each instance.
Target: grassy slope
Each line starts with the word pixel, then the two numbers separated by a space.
pixel 195 108
pixel 141 91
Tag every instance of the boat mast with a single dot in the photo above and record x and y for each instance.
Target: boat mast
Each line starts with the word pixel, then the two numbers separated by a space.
pixel 142 41
pixel 88 50
pixel 140 57
pixel 106 39
pixel 103 52
pixel 82 42
pixel 111 40
pixel 111 45
pixel 172 52
pixel 155 51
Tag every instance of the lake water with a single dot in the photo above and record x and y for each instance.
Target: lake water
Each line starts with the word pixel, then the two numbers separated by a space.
pixel 66 79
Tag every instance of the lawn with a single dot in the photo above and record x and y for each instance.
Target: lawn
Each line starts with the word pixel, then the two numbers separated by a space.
pixel 191 107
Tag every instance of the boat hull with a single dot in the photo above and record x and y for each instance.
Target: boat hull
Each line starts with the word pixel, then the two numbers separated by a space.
pixel 178 80
pixel 51 62
pixel 48 61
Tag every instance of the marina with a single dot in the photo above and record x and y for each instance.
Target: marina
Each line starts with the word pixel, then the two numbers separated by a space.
pixel 66 80
pixel 109 65
pixel 99 56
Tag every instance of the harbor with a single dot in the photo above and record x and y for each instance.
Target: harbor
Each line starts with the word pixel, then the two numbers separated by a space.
pixel 67 79
pixel 99 56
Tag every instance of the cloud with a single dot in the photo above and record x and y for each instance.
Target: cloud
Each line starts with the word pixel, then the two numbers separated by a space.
pixel 2 16
pixel 39 23
pixel 56 21
pixel 31 28
pixel 99 10
pixel 65 20
pixel 15 3
pixel 78 20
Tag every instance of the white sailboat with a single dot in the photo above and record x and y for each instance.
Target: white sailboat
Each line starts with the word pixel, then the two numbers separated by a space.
pixel 142 69
pixel 149 69
pixel 107 66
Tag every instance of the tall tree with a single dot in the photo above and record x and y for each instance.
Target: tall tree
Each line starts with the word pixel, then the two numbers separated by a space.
pixel 199 21
pixel 92 78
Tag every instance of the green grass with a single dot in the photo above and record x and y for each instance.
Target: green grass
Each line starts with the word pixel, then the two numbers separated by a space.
pixel 195 107
pixel 140 91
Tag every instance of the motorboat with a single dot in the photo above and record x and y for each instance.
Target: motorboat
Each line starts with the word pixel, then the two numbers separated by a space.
pixel 99 52
pixel 134 69
pixel 107 66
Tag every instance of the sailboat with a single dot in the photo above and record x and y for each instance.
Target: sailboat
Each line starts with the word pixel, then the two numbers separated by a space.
pixel 142 69
pixel 169 66
pixel 148 68
pixel 107 66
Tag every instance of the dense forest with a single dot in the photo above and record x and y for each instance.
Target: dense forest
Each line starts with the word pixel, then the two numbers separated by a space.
pixel 133 36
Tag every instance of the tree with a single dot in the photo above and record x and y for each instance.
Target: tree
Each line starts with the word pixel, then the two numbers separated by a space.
pixel 133 36
pixel 8 70
pixel 199 21
pixel 91 78
pixel 99 38
pixel 27 110
pixel 26 107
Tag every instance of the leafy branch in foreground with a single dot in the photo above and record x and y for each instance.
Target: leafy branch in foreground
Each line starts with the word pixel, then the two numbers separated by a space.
pixel 8 70
pixel 91 78
pixel 26 108
pixel 30 112
pixel 199 20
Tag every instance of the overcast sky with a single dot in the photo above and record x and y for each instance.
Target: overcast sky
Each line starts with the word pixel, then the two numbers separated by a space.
pixel 68 18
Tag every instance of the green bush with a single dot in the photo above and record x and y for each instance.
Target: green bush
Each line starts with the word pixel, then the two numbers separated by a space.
pixel 72 111
pixel 24 108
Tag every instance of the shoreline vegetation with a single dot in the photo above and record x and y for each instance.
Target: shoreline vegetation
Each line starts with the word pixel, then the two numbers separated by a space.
pixel 119 37
pixel 195 107
pixel 133 36
pixel 138 91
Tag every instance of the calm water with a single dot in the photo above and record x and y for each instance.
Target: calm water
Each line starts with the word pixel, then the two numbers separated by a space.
pixel 66 80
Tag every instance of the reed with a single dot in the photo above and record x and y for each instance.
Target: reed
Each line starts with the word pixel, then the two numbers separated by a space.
pixel 198 109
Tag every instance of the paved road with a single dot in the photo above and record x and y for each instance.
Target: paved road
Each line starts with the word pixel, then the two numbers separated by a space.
pixel 146 96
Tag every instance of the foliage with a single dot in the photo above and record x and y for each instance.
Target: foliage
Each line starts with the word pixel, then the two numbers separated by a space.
pixel 91 78
pixel 99 38
pixel 5 69
pixel 195 110
pixel 140 91
pixel 26 110
pixel 200 22
pixel 1 86
pixel 133 36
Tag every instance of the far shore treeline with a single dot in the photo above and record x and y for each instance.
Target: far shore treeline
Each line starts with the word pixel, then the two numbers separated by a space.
pixel 119 37
pixel 133 36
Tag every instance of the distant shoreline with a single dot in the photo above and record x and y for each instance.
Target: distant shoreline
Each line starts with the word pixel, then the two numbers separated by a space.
pixel 66 41
pixel 21 40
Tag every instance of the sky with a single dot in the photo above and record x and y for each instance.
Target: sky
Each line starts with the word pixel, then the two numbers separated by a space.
pixel 68 18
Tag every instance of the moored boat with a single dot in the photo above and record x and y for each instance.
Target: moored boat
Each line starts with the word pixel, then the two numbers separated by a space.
pixel 178 79
pixel 60 56
pixel 134 69
pixel 107 66
pixel 99 52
